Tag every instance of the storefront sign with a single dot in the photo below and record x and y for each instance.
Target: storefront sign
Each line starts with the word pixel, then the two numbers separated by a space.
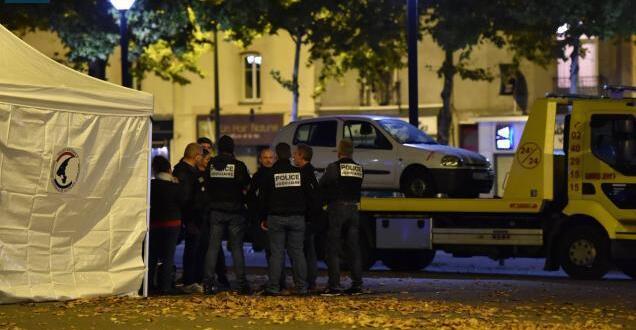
pixel 246 130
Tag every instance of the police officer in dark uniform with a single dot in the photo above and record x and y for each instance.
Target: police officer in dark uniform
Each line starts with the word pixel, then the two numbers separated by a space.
pixel 302 158
pixel 201 205
pixel 226 181
pixel 256 212
pixel 341 185
pixel 284 199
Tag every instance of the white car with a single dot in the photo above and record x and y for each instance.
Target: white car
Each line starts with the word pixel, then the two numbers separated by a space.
pixel 395 155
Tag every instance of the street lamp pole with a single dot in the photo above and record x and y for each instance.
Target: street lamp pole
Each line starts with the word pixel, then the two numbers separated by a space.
pixel 126 80
pixel 123 6
pixel 412 18
pixel 217 105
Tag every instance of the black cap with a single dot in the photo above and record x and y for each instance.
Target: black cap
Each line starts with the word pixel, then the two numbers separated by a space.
pixel 226 144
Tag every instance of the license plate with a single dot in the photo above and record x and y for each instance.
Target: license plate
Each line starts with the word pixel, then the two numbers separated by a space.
pixel 480 176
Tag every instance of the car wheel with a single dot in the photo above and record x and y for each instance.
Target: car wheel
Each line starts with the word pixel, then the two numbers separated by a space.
pixel 584 253
pixel 408 260
pixel 418 183
pixel 628 267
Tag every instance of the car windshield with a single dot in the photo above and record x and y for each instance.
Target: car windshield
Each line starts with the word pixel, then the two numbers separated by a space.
pixel 404 132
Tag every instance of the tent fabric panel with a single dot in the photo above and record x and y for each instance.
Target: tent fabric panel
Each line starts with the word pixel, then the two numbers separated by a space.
pixel 30 78
pixel 83 242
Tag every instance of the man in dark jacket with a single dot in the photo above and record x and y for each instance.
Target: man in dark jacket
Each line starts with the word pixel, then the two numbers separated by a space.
pixel 302 159
pixel 226 181
pixel 341 185
pixel 284 199
pixel 202 236
pixel 166 198
pixel 188 174
pixel 266 159
pixel 260 240
pixel 206 144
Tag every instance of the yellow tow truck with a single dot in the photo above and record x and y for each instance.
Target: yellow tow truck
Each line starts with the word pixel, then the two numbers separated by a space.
pixel 576 209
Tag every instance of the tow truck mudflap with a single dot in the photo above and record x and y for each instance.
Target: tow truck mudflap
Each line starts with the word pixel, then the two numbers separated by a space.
pixel 404 233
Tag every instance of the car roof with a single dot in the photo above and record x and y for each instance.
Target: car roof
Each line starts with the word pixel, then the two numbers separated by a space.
pixel 345 117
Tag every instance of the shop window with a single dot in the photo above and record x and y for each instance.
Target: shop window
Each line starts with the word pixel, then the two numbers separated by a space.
pixel 252 77
pixel 504 137
pixel 365 136
pixel 317 134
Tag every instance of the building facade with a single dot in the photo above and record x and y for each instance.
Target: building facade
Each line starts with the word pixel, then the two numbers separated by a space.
pixel 254 106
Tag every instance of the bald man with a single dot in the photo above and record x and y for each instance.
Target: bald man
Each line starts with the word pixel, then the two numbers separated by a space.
pixel 187 173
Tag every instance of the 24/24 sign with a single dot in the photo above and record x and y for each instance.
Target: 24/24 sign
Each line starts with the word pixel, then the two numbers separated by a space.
pixel 529 155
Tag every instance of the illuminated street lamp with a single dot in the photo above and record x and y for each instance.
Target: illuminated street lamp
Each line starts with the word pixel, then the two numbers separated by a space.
pixel 123 6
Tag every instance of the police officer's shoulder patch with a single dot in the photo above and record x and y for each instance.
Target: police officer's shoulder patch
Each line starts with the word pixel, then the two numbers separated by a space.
pixel 351 170
pixel 283 180
pixel 226 173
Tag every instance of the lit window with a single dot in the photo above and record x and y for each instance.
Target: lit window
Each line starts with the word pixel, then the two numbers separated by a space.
pixel 252 77
pixel 588 66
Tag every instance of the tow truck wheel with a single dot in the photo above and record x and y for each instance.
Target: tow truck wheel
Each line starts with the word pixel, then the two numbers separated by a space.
pixel 407 260
pixel 367 254
pixel 584 253
pixel 418 183
pixel 628 267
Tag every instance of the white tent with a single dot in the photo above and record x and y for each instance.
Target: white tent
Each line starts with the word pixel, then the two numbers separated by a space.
pixel 73 180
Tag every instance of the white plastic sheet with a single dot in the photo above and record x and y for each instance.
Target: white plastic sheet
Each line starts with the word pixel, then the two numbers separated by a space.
pixel 73 180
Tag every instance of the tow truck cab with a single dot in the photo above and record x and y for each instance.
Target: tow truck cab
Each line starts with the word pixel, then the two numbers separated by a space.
pixel 577 210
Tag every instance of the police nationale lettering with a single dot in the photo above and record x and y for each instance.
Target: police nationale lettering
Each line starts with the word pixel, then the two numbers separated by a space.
pixel 226 173
pixel 351 170
pixel 283 180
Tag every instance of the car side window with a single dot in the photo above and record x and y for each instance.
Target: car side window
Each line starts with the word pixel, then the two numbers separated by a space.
pixel 365 136
pixel 317 134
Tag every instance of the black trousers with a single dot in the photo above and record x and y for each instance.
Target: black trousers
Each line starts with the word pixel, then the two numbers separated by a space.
pixel 163 242
pixel 196 245
pixel 344 222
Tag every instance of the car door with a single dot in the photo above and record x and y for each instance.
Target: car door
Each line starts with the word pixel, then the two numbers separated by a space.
pixel 372 150
pixel 321 136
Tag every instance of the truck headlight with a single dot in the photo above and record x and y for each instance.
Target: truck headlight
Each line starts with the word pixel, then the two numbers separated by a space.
pixel 451 161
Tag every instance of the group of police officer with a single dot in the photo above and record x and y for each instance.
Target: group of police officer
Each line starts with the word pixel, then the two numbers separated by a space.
pixel 287 200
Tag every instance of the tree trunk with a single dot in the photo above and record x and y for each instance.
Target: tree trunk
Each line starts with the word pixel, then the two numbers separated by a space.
pixel 444 118
pixel 574 65
pixel 295 88
pixel 97 69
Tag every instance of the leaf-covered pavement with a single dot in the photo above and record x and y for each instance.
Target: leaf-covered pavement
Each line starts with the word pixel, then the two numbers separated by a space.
pixel 226 310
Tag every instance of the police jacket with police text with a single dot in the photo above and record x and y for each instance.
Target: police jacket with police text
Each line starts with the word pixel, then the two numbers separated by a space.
pixel 285 193
pixel 342 181
pixel 226 181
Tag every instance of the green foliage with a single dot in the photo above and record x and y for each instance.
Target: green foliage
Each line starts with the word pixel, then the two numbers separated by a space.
pixel 167 40
pixel 286 83
pixel 164 35
pixel 366 36
pixel 531 26
pixel 458 26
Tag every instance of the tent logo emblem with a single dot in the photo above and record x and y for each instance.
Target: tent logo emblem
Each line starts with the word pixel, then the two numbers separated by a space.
pixel 66 168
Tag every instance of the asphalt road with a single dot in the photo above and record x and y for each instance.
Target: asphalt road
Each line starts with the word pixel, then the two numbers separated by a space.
pixel 472 293
pixel 443 263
